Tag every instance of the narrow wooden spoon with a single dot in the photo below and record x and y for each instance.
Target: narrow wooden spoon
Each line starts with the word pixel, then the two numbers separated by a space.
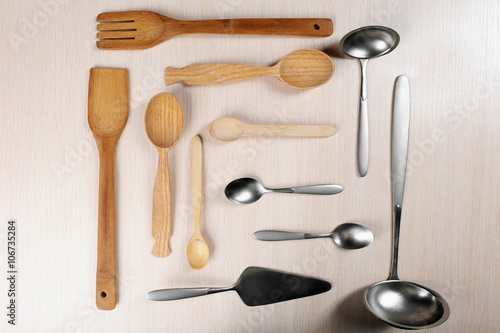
pixel 197 249
pixel 163 123
pixel 301 69
pixel 230 129
pixel 108 113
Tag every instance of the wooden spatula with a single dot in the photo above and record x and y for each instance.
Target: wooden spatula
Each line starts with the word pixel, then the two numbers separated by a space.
pixel 142 29
pixel 108 113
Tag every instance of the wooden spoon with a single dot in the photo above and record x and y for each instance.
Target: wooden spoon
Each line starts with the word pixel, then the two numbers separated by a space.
pixel 230 129
pixel 107 115
pixel 197 249
pixel 301 69
pixel 163 123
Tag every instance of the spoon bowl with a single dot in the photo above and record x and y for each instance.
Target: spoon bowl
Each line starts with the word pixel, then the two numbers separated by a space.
pixel 226 129
pixel 305 69
pixel 245 190
pixel 164 121
pixel 394 300
pixel 352 236
pixel 197 253
pixel 369 42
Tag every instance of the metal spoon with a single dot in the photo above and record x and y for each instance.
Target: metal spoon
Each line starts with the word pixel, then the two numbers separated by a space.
pixel 399 303
pixel 363 44
pixel 249 190
pixel 350 236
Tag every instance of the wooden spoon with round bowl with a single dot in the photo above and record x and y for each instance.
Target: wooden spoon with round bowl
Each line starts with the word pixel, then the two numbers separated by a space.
pixel 301 69
pixel 163 123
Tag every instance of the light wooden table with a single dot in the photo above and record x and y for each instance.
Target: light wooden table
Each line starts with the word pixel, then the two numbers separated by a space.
pixel 49 167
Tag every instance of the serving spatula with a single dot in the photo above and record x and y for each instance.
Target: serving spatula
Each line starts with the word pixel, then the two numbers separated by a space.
pixel 256 286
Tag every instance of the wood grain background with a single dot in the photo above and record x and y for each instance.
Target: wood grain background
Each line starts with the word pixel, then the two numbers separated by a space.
pixel 49 167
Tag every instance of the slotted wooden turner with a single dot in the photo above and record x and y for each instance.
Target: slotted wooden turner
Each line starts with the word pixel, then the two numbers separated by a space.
pixel 142 29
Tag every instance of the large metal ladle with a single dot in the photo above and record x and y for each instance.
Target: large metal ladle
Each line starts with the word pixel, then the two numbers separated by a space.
pixel 399 303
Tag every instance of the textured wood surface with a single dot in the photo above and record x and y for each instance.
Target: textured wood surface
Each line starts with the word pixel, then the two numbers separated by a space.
pixel 49 167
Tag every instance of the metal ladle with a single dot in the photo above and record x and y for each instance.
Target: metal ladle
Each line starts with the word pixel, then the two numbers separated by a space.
pixel 363 44
pixel 399 303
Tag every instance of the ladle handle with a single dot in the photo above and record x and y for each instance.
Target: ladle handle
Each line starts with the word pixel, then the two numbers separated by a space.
pixel 363 140
pixel 106 270
pixel 400 138
pixel 161 227
pixel 216 73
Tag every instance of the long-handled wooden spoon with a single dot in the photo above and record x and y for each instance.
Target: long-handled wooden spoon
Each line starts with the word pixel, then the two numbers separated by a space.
pixel 301 69
pixel 108 113
pixel 163 123
pixel 230 129
pixel 197 249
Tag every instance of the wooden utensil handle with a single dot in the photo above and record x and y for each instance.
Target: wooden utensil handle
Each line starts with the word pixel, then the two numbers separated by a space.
pixel 161 228
pixel 196 175
pixel 106 271
pixel 215 73
pixel 284 27
pixel 290 131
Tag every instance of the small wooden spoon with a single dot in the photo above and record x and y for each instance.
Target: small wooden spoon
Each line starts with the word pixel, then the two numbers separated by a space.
pixel 197 249
pixel 301 69
pixel 108 113
pixel 163 123
pixel 230 129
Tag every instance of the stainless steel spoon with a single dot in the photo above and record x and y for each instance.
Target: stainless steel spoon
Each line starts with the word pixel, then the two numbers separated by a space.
pixel 363 44
pixel 350 236
pixel 249 190
pixel 399 303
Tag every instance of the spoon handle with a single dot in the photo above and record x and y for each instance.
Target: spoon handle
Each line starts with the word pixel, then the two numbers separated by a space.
pixel 275 235
pixel 106 270
pixel 317 27
pixel 216 73
pixel 181 293
pixel 363 141
pixel 290 130
pixel 313 189
pixel 196 175
pixel 161 228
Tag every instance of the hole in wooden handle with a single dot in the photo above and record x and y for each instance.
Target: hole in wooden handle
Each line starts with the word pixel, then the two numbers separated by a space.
pixel 317 27
pixel 103 294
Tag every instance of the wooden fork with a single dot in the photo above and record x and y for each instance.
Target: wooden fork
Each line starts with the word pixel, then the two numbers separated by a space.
pixel 142 29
